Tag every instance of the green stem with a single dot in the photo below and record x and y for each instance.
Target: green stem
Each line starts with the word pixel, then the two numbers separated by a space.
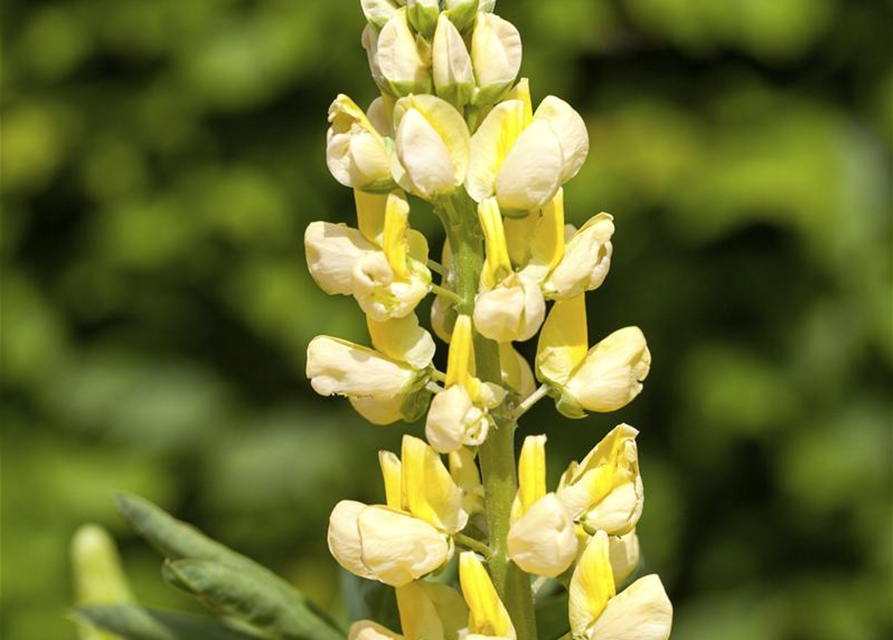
pixel 470 543
pixel 497 453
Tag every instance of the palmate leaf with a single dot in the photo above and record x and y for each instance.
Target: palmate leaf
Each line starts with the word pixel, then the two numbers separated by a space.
pixel 225 580
pixel 138 623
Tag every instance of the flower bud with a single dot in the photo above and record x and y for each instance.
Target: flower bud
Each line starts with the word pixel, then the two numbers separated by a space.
pixel 432 144
pixel 543 541
pixel 422 15
pixel 641 611
pixel 378 12
pixel 356 154
pixel 586 261
pixel 461 12
pixel 604 492
pixel 451 64
pixel 496 56
pixel 398 63
pixel 512 311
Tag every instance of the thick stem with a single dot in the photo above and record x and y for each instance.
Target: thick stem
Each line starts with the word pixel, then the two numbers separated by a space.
pixel 497 453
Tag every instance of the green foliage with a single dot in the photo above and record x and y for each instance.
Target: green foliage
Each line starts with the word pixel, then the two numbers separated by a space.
pixel 137 623
pixel 162 158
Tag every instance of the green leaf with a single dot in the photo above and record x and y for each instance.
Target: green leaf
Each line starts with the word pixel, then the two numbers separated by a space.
pixel 137 623
pixel 256 597
pixel 191 553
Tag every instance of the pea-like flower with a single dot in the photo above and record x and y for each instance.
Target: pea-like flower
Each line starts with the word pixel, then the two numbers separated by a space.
pixel 487 615
pixel 604 491
pixel 542 539
pixel 408 537
pixel 398 61
pixel 384 384
pixel 523 160
pixel 510 306
pixel 604 378
pixel 432 144
pixel 451 64
pixel 381 264
pixel 357 154
pixel 496 56
pixel 565 261
pixel 642 611
pixel 459 415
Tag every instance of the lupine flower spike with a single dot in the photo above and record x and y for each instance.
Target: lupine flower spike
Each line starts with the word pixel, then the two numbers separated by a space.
pixel 463 533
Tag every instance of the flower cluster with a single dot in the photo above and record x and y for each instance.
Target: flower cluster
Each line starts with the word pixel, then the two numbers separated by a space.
pixel 455 127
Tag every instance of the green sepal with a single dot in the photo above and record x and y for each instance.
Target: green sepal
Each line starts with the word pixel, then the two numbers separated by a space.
pixel 463 15
pixel 415 405
pixel 569 408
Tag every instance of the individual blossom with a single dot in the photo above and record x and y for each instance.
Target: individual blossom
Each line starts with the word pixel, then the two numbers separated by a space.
pixel 604 378
pixel 432 145
pixel 542 539
pixel 409 536
pixel 509 307
pixel 459 415
pixel 604 491
pixel 496 56
pixel 565 261
pixel 399 62
pixel 357 154
pixel 596 611
pixel 487 615
pixel 523 159
pixel 381 264
pixel 384 384
pixel 451 64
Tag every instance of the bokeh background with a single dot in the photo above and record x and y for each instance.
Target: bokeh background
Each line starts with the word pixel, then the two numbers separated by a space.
pixel 161 159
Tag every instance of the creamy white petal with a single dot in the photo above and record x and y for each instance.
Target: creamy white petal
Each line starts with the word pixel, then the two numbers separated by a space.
pixel 379 294
pixel 403 339
pixel 379 411
pixel 451 64
pixel 489 146
pixel 570 130
pixel 344 537
pixel 625 554
pixel 543 541
pixel 642 611
pixel 424 155
pixel 399 548
pixel 495 51
pixel 531 173
pixel 454 421
pixel 586 261
pixel 513 311
pixel 611 374
pixel 378 12
pixel 398 56
pixel 619 511
pixel 332 252
pixel 340 367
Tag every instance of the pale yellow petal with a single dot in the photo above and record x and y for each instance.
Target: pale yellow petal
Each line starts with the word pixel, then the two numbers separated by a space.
pixel 344 537
pixel 612 372
pixel 563 341
pixel 543 541
pixel 403 339
pixel 418 615
pixel 392 474
pixel 340 367
pixel 490 144
pixel 642 611
pixel 428 488
pixel 530 174
pixel 570 130
pixel 592 586
pixel 487 615
pixel 531 473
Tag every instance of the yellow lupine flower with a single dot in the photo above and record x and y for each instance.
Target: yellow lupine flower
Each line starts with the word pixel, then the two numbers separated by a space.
pixel 542 539
pixel 487 616
pixel 356 154
pixel 509 307
pixel 451 64
pixel 605 378
pixel 459 415
pixel 432 145
pixel 604 491
pixel 641 612
pixel 383 384
pixel 496 56
pixel 384 272
pixel 524 163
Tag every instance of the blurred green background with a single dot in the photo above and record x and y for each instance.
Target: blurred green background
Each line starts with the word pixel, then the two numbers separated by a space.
pixel 161 159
